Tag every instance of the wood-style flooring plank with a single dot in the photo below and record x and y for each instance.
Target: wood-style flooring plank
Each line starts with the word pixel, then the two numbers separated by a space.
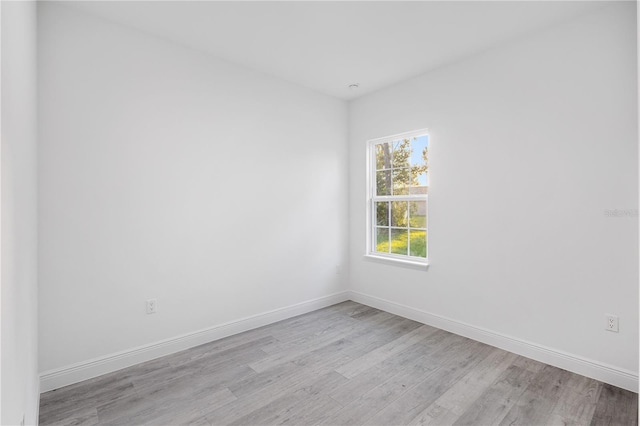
pixel 380 373
pixel 615 406
pixel 496 402
pixel 452 403
pixel 452 364
pixel 376 356
pixel 82 417
pixel 368 404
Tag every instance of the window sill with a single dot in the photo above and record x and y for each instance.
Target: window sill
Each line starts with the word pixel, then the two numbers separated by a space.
pixel 397 262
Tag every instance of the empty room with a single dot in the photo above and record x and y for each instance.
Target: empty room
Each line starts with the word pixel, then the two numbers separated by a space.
pixel 319 213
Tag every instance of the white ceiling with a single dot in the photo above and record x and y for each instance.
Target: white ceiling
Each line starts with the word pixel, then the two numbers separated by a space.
pixel 328 45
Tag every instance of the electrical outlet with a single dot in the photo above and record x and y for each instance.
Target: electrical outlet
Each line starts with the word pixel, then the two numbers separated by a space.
pixel 152 306
pixel 612 323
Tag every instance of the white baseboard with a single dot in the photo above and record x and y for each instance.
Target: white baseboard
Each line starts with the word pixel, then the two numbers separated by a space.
pixel 570 362
pixel 57 378
pixel 54 379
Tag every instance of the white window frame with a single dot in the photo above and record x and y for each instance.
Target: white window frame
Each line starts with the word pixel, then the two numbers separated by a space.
pixel 393 258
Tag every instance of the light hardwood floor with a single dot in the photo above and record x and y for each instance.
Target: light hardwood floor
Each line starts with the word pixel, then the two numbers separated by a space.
pixel 348 364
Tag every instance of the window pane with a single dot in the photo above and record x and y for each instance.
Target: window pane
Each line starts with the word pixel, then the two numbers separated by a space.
pixel 419 182
pixel 399 228
pixel 419 151
pixel 383 182
pixel 382 240
pixel 399 241
pixel 418 214
pixel 418 243
pixel 401 178
pixel 382 213
pixel 383 156
pixel 399 214
pixel 401 153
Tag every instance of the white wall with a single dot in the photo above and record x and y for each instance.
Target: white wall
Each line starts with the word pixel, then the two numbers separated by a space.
pixel 19 361
pixel 531 143
pixel 168 174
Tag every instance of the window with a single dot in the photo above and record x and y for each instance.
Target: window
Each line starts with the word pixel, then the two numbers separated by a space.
pixel 398 190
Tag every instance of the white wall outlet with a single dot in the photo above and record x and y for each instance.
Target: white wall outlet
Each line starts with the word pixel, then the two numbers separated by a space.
pixel 612 323
pixel 152 306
